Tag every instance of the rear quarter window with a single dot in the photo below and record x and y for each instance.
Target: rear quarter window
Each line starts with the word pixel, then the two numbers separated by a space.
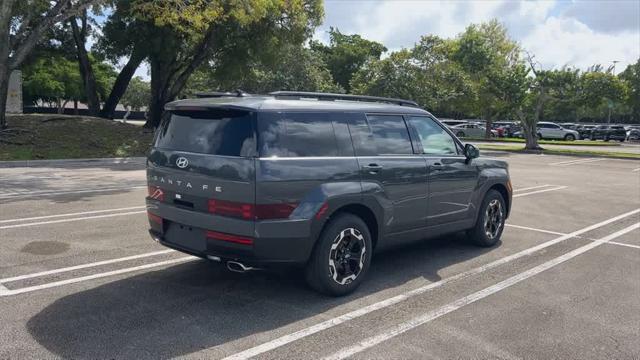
pixel 214 132
pixel 296 135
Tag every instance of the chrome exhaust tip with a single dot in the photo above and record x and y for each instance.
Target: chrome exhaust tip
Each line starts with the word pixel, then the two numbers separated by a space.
pixel 239 267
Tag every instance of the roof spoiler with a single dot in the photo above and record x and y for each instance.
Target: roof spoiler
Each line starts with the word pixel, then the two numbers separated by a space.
pixel 217 94
pixel 296 95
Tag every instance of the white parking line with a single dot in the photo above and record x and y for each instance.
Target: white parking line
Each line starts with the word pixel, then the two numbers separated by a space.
pixel 84 266
pixel 623 244
pixel 71 219
pixel 446 309
pixel 31 194
pixel 535 229
pixel 638 169
pixel 540 191
pixel 7 292
pixel 71 214
pixel 532 188
pixel 289 338
pixel 574 162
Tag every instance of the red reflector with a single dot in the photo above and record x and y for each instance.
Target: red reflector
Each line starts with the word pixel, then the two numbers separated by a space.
pixel 274 211
pixel 156 193
pixel 230 208
pixel 228 237
pixel 323 210
pixel 155 218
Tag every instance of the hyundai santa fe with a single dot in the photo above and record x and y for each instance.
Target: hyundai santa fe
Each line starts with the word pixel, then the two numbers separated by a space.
pixel 314 180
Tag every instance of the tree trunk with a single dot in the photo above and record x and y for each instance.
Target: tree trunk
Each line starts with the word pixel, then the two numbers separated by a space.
pixel 5 70
pixel 489 122
pixel 86 70
pixel 4 91
pixel 122 82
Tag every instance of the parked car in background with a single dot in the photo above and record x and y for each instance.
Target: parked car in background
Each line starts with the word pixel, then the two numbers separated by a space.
pixel 570 126
pixel 451 122
pixel 549 130
pixel 585 131
pixel 472 130
pixel 505 128
pixel 608 132
pixel 633 134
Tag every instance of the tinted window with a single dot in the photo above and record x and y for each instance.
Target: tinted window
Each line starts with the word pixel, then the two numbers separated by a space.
pixel 389 134
pixel 296 135
pixel 216 132
pixel 434 139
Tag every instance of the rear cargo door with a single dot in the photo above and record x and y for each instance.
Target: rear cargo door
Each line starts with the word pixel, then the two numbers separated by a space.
pixel 203 160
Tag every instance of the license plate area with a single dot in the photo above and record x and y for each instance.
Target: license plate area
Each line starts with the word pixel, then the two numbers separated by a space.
pixel 185 236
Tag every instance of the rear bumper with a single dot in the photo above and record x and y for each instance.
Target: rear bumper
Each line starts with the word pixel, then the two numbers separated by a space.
pixel 274 241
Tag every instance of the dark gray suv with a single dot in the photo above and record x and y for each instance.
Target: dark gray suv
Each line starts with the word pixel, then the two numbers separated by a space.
pixel 317 180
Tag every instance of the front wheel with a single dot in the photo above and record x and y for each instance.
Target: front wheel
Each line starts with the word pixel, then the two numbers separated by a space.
pixel 490 223
pixel 460 134
pixel 341 257
pixel 539 136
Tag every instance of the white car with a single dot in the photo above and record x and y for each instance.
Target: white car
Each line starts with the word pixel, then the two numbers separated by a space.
pixel 471 130
pixel 549 130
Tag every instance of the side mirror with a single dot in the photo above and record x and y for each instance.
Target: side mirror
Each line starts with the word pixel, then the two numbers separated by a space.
pixel 471 152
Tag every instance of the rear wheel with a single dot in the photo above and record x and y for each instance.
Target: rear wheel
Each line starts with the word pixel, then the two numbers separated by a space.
pixel 460 134
pixel 490 223
pixel 341 257
pixel 569 137
pixel 539 136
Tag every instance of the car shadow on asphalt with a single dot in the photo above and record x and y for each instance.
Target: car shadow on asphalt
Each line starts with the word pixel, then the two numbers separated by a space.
pixel 198 305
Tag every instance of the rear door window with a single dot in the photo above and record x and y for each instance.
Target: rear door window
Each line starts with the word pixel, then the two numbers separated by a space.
pixel 296 135
pixel 214 132
pixel 389 134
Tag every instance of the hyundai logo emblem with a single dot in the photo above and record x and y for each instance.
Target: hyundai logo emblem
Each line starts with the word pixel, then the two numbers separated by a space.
pixel 182 162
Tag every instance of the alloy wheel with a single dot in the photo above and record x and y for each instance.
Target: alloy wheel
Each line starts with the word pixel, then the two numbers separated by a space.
pixel 347 256
pixel 493 218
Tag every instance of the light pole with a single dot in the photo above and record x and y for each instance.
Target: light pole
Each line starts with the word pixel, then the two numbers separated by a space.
pixel 614 65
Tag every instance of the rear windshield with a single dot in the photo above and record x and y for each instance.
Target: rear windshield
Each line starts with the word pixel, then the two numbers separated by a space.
pixel 214 132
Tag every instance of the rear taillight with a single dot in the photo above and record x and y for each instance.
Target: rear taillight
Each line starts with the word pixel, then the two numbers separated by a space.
pixel 230 208
pixel 214 235
pixel 156 193
pixel 250 211
pixel 323 210
pixel 274 211
pixel 154 218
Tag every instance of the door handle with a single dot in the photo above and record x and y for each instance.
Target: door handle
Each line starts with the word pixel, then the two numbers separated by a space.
pixel 373 168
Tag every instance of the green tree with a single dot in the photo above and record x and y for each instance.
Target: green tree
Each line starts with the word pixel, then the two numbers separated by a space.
pixel 488 56
pixel 185 35
pixel 346 54
pixel 22 25
pixel 297 69
pixel 603 93
pixel 631 78
pixel 54 80
pixel 138 94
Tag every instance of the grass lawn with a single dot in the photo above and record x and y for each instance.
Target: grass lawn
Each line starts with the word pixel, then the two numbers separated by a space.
pixel 51 136
pixel 590 152
pixel 549 142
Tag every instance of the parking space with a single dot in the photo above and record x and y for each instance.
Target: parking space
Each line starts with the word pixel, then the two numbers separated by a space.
pixel 80 278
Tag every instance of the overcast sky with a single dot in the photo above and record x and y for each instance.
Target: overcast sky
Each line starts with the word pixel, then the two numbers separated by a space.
pixel 575 33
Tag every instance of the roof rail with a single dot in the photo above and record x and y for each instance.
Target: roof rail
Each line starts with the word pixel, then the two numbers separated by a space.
pixel 333 96
pixel 216 94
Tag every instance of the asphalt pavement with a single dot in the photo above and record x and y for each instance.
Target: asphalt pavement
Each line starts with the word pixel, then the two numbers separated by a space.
pixel 81 278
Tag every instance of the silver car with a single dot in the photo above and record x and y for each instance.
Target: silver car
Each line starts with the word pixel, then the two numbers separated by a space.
pixel 471 130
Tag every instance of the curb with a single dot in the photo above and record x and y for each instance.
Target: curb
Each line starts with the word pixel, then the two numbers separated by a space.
pixel 551 152
pixel 71 162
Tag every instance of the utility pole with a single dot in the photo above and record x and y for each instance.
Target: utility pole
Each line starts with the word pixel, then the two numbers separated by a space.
pixel 614 65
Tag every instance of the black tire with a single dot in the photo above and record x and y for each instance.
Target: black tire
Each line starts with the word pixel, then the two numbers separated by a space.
pixel 606 138
pixel 569 137
pixel 322 272
pixel 539 136
pixel 479 234
pixel 592 138
pixel 460 134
